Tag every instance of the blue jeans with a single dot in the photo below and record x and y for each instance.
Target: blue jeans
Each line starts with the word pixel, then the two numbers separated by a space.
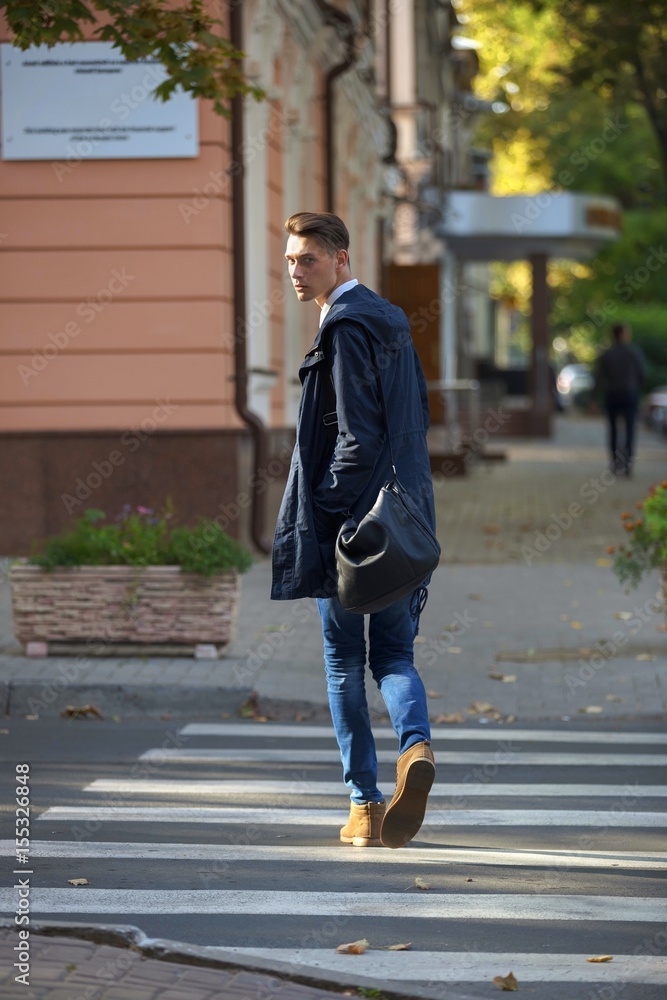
pixel 391 660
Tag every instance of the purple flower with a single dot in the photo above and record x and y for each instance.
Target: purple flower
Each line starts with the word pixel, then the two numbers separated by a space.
pixel 144 510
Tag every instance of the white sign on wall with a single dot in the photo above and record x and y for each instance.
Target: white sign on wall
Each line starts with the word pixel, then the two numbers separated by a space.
pixel 84 100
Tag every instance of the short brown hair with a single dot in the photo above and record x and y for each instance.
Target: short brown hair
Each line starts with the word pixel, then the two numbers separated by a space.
pixel 326 229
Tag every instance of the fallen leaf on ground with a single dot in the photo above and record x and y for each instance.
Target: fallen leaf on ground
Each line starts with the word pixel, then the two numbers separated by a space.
pixel 400 947
pixel 603 562
pixel 613 697
pixel 434 694
pixel 470 880
pixel 576 625
pixel 454 649
pixel 74 711
pixel 479 707
pixel 591 710
pixel 504 678
pixel 474 597
pixel 353 948
pixel 601 958
pixel 78 881
pixel 645 656
pixel 422 883
pixel 490 529
pixel 450 718
pixel 420 638
pixel 488 624
pixel 507 982
pixel 624 616
pixel 250 709
pixel 509 718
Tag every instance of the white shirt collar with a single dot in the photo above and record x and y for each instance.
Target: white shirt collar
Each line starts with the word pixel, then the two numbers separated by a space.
pixel 337 292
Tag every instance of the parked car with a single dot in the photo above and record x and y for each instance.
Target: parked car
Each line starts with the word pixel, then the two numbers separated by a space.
pixel 574 384
pixel 655 409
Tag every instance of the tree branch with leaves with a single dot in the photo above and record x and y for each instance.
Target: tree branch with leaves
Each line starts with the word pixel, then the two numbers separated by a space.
pixel 185 39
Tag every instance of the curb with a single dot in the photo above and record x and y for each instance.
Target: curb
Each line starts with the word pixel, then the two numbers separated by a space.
pixel 43 698
pixel 163 950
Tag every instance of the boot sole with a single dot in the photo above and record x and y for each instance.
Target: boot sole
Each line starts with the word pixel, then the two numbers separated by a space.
pixel 361 841
pixel 405 815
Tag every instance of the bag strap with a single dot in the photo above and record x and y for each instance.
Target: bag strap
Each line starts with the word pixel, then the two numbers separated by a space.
pixel 383 405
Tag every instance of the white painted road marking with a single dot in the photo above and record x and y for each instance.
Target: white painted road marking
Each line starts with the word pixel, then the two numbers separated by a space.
pixel 423 905
pixel 268 729
pixel 618 860
pixel 282 816
pixel 471 967
pixel 472 789
pixel 500 758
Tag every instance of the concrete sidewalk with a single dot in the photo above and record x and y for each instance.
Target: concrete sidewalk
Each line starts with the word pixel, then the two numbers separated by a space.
pixel 524 614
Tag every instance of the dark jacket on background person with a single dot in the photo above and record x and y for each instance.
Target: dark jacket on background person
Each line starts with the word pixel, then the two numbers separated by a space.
pixel 621 369
pixel 340 463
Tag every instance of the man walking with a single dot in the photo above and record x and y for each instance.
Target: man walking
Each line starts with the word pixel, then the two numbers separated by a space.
pixel 340 462
pixel 620 374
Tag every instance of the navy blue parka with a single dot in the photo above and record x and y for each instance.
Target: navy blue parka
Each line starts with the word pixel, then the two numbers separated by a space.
pixel 341 457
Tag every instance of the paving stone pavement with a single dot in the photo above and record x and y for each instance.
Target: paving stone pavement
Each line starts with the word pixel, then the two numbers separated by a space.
pixel 525 590
pixel 70 969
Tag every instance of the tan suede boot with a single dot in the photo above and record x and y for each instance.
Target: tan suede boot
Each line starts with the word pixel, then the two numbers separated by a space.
pixel 415 772
pixel 363 827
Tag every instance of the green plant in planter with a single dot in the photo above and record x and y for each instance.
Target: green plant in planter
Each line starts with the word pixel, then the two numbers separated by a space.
pixel 646 546
pixel 141 537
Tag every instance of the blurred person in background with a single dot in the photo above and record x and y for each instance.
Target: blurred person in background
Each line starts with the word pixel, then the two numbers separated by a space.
pixel 619 377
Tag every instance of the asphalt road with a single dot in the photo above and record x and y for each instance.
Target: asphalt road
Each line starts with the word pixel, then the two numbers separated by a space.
pixel 542 848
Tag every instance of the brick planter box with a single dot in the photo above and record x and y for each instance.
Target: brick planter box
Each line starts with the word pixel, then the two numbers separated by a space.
pixel 116 604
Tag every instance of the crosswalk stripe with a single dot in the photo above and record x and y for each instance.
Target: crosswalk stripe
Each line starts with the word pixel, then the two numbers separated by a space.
pixel 422 906
pixel 501 758
pixel 283 816
pixel 268 729
pixel 455 967
pixel 471 789
pixel 620 860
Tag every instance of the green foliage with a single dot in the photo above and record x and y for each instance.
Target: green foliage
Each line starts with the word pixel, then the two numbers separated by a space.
pixel 583 83
pixel 138 537
pixel 646 548
pixel 185 39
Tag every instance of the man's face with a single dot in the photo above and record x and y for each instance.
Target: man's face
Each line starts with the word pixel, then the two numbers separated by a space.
pixel 313 271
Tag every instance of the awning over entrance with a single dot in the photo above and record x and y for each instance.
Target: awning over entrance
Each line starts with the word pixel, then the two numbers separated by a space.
pixel 480 226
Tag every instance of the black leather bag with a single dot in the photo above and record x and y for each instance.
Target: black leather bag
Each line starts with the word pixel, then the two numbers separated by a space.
pixel 391 552
pixel 387 556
